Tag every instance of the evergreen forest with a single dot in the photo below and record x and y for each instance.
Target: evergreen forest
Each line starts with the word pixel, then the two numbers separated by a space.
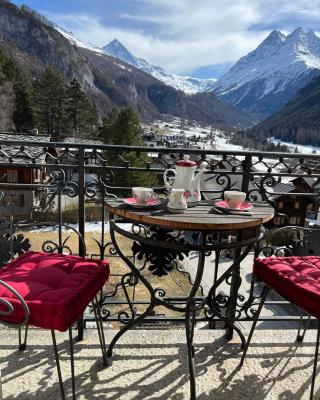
pixel 49 103
pixel 297 122
pixel 59 108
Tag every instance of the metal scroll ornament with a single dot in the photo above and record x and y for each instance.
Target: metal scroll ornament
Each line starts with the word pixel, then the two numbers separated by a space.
pixel 160 258
pixel 11 244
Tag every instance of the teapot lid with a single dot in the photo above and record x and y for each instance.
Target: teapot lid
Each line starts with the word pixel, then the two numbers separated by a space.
pixel 186 162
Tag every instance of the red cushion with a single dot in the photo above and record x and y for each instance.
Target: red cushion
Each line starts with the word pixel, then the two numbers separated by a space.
pixel 295 278
pixel 56 287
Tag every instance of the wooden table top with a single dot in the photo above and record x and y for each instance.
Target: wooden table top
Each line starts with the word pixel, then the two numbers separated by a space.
pixel 196 218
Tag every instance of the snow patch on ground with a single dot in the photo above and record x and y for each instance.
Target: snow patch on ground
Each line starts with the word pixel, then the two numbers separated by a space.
pixel 304 149
pixel 211 139
pixel 89 227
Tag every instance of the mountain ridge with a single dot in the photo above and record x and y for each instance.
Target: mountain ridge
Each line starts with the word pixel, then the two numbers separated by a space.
pixel 187 84
pixel 107 80
pixel 268 77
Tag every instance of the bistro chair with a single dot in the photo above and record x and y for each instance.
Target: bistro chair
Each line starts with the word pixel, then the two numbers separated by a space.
pixel 52 291
pixel 296 278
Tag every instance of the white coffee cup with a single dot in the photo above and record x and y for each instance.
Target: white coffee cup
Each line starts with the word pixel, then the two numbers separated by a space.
pixel 234 199
pixel 142 194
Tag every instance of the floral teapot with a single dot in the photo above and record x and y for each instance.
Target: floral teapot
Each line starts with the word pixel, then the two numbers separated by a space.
pixel 185 179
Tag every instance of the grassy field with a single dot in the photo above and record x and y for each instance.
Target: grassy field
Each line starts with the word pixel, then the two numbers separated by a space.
pixel 175 283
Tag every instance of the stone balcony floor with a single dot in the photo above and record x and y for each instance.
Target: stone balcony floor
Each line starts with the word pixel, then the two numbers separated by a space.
pixel 152 364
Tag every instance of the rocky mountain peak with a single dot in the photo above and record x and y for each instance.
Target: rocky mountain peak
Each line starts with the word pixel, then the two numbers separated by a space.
pixel 275 38
pixel 265 79
pixel 34 45
pixel 117 49
pixel 301 32
pixel 186 84
pixel 302 35
pixel 116 43
pixel 259 56
pixel 303 46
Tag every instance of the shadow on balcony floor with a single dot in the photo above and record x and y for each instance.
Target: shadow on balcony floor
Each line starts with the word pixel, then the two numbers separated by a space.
pixel 152 365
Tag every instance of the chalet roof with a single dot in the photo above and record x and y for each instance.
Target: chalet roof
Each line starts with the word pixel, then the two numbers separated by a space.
pixel 316 186
pixel 310 180
pixel 313 182
pixel 89 142
pixel 25 155
pixel 74 140
pixel 282 188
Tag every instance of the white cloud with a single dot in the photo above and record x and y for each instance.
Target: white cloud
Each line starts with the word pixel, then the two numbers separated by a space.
pixel 187 34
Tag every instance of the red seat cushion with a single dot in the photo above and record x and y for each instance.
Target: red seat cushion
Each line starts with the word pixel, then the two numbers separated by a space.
pixel 56 287
pixel 295 278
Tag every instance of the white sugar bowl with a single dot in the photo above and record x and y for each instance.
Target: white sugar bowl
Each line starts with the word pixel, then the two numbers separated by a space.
pixel 177 202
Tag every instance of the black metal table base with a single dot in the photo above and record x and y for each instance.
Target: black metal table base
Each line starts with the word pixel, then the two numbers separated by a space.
pixel 210 304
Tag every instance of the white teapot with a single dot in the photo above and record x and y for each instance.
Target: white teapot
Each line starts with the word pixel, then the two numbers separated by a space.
pixel 185 179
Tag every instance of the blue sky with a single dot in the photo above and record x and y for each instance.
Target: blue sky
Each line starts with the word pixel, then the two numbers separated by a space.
pixel 200 38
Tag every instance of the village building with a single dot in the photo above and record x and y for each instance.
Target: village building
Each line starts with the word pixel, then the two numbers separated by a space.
pixel 26 165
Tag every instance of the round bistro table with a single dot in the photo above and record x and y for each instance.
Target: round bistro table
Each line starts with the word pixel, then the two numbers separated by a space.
pixel 203 221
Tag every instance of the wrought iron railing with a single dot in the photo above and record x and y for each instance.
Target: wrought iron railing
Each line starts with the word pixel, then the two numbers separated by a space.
pixel 55 177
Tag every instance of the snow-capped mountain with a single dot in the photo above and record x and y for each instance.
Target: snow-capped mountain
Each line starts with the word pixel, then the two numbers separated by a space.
pixel 185 83
pixel 113 82
pixel 268 77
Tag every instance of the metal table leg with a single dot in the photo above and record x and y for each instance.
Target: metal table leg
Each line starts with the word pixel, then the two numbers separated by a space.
pixel 235 285
pixel 1 395
pixel 139 276
pixel 210 304
pixel 190 315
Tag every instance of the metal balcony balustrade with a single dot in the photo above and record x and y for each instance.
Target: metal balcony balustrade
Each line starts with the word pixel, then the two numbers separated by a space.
pixel 86 173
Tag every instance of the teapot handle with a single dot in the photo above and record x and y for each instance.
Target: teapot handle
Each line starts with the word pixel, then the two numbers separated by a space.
pixel 167 184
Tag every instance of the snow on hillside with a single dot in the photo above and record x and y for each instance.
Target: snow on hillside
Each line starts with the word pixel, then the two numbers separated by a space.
pixel 211 139
pixel 187 84
pixel 251 67
pixel 277 60
pixel 278 67
pixel 303 149
pixel 78 42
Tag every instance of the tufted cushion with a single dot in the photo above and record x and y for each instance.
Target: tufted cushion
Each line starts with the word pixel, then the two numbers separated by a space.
pixel 295 278
pixel 56 287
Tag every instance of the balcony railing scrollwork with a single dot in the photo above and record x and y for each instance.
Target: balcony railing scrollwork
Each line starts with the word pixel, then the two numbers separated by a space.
pixel 59 184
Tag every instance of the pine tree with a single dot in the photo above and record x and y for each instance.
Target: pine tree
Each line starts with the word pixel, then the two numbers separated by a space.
pixel 50 103
pixel 23 115
pixel 122 127
pixel 109 126
pixel 81 115
pixel 7 101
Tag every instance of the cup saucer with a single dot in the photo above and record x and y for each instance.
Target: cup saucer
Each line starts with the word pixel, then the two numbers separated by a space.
pixel 131 201
pixel 243 206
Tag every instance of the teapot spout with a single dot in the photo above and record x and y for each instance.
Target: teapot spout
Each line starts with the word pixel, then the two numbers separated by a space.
pixel 196 181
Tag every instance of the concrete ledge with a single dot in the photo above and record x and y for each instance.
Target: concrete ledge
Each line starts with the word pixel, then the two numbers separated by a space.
pixel 152 365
